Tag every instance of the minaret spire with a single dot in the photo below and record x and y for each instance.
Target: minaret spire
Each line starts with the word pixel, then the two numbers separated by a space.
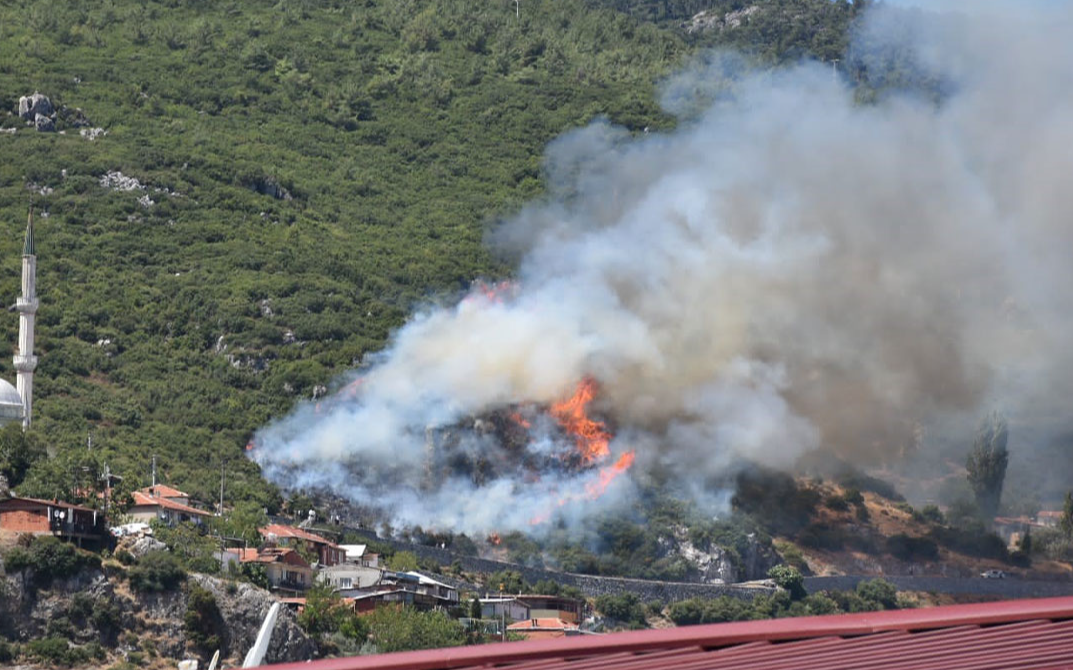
pixel 25 361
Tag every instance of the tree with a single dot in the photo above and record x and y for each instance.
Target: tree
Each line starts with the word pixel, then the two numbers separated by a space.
pixel 789 578
pixel 202 621
pixel 18 451
pixel 1066 522
pixel 156 571
pixel 324 611
pixel 987 464
pixel 404 561
pixel 243 522
pixel 405 629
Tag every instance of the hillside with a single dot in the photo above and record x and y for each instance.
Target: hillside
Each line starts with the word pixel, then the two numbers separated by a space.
pixel 301 176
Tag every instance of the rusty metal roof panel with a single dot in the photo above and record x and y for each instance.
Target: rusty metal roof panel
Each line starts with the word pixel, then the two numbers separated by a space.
pixel 1023 634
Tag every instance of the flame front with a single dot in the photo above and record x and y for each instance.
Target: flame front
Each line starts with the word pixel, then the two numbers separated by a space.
pixel 591 437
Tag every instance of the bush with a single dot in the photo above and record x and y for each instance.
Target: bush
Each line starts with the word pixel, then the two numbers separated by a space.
pixel 49 558
pixel 908 548
pixel 974 540
pixel 880 592
pixel 202 621
pixel 156 571
pixel 790 579
pixel 55 650
pixel 625 608
pixel 930 514
pixel 8 652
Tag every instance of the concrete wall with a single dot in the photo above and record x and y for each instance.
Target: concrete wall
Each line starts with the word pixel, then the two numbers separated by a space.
pixel 1006 588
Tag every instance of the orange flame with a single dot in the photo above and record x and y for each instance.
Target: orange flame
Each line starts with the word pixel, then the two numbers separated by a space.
pixel 517 418
pixel 593 490
pixel 608 474
pixel 250 445
pixel 493 538
pixel 591 437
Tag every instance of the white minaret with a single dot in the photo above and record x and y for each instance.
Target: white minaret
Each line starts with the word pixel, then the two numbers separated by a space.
pixel 25 361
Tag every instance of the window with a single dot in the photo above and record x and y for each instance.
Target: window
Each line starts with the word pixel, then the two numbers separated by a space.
pixel 344 582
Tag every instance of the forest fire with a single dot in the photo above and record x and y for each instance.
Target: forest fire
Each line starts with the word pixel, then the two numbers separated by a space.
pixel 592 440
pixel 591 437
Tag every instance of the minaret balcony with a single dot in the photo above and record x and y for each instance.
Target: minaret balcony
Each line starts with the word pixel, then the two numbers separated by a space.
pixel 26 305
pixel 25 363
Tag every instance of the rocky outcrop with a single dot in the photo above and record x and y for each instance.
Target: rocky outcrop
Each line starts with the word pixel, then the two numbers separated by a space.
pixel 96 605
pixel 44 124
pixel 710 20
pixel 32 106
pixel 757 559
pixel 270 187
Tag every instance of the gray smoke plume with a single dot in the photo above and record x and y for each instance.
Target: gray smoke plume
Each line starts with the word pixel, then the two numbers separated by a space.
pixel 788 269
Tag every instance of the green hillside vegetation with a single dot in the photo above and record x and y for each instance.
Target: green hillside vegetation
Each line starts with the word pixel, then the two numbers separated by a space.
pixel 317 169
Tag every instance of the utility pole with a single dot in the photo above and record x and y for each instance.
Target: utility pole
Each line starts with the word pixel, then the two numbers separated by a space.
pixel 154 473
pixel 222 464
pixel 517 9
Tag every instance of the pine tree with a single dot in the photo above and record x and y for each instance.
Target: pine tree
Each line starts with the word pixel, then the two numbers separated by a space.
pixel 987 464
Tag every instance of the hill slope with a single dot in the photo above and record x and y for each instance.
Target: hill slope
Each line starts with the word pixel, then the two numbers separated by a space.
pixel 307 172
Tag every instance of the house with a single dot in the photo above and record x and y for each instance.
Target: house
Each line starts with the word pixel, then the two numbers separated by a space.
pixel 287 571
pixel 348 576
pixel 403 588
pixel 1050 518
pixel 359 554
pixel 522 607
pixel 328 553
pixel 504 608
pixel 544 629
pixel 52 517
pixel 165 504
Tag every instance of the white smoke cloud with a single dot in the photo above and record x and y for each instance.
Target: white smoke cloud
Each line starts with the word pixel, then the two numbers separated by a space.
pixel 787 269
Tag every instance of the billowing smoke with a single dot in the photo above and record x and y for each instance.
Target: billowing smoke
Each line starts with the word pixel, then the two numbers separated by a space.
pixel 791 268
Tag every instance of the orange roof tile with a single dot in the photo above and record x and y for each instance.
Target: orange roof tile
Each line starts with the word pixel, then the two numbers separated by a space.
pixel 143 500
pixel 290 531
pixel 164 491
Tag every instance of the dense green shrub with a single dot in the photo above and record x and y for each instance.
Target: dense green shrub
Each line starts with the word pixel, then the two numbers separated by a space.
pixel 202 621
pixel 975 540
pixel 789 578
pixel 49 558
pixel 156 571
pixel 625 608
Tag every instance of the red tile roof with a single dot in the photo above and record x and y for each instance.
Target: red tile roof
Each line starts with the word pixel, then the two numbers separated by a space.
pixel 290 531
pixel 1027 634
pixel 141 499
pixel 164 491
pixel 270 555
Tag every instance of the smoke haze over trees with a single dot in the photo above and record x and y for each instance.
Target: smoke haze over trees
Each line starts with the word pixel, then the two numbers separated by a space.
pixel 787 270
pixel 987 464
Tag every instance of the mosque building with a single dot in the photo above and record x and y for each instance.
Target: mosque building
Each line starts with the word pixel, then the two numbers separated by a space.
pixel 16 402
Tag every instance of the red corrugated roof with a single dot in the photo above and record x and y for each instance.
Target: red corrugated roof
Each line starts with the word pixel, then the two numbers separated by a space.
pixel 290 531
pixel 1026 634
pixel 141 499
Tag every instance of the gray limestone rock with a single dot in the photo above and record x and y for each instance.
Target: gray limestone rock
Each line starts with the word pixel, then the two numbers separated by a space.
pixel 44 124
pixel 30 106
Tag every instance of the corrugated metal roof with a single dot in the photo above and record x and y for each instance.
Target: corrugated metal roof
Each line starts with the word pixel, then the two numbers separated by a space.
pixel 1024 634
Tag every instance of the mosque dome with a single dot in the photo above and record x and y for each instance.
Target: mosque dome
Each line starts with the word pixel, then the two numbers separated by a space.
pixel 11 407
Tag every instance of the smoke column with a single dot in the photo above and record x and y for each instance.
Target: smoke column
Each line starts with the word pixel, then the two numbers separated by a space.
pixel 787 270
